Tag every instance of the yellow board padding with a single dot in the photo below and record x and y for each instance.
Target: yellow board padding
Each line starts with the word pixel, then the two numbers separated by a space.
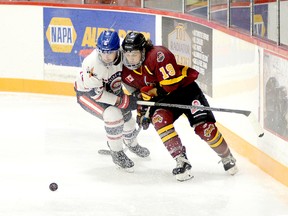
pixel 272 167
pixel 37 86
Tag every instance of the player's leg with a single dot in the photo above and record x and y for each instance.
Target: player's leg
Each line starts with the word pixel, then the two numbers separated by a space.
pixel 114 124
pixel 204 126
pixel 211 135
pixel 91 106
pixel 163 120
pixel 130 134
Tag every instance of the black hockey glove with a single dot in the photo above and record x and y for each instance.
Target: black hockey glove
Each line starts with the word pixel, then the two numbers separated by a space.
pixel 143 119
pixel 133 102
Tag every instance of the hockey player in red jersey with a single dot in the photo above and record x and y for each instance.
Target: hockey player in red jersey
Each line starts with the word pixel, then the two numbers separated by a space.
pixel 153 70
pixel 99 92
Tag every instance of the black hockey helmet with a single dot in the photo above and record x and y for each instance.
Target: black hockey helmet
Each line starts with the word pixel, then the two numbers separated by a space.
pixel 134 41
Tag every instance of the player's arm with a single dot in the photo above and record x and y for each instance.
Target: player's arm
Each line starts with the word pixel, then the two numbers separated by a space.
pixel 100 94
pixel 93 79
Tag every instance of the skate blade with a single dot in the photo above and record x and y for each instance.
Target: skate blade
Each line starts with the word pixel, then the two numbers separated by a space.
pixel 142 156
pixel 233 170
pixel 184 176
pixel 129 170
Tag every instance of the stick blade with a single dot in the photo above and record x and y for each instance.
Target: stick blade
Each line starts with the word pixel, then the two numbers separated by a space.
pixel 255 124
pixel 104 152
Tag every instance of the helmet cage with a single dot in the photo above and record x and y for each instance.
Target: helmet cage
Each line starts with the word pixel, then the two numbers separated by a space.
pixel 109 52
pixel 134 66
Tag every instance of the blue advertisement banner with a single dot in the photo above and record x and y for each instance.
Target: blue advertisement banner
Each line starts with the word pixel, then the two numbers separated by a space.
pixel 71 34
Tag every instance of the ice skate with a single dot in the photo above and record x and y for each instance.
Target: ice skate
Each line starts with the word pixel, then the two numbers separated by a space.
pixel 182 171
pixel 138 150
pixel 229 164
pixel 122 161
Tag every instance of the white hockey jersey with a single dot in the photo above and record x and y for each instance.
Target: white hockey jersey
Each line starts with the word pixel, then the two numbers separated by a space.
pixel 104 81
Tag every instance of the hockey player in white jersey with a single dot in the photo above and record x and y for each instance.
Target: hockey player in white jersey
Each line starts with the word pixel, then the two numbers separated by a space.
pixel 99 91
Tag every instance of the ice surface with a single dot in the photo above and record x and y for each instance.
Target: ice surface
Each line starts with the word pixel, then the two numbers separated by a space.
pixel 48 139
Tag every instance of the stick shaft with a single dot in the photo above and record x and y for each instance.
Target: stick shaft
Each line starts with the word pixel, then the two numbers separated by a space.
pixel 183 106
pixel 255 124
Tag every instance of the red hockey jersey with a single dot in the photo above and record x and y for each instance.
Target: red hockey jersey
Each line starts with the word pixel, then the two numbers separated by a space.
pixel 160 69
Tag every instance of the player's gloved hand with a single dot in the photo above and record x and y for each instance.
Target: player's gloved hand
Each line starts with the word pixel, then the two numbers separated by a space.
pixel 143 119
pixel 123 101
pixel 133 102
pixel 148 92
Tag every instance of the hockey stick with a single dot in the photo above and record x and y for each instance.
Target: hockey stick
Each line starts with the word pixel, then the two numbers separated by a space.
pixel 104 152
pixel 108 152
pixel 255 124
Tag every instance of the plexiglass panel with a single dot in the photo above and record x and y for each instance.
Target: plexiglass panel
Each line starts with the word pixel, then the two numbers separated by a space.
pixel 283 22
pixel 261 26
pixel 169 5
pixel 197 8
pixel 219 11
pixel 240 15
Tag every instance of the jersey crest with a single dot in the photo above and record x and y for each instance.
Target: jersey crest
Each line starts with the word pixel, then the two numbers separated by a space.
pixel 195 103
pixel 113 84
pixel 208 129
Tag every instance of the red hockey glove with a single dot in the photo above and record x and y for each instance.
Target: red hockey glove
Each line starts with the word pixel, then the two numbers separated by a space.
pixel 123 102
pixel 143 119
pixel 148 92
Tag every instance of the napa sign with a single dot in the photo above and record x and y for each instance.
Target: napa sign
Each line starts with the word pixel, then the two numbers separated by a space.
pixel 61 35
pixel 71 34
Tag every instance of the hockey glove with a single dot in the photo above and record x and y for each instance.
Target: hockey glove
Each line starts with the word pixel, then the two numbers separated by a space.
pixel 143 119
pixel 148 92
pixel 126 102
pixel 154 92
pixel 123 101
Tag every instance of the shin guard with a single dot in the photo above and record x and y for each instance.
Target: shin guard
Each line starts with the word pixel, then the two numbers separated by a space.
pixel 210 133
pixel 114 124
pixel 163 122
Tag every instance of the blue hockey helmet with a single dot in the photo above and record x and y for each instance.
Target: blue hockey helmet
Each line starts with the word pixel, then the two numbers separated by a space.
pixel 108 41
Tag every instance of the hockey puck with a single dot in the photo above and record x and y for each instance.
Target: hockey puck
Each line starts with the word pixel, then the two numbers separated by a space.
pixel 53 186
pixel 261 135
